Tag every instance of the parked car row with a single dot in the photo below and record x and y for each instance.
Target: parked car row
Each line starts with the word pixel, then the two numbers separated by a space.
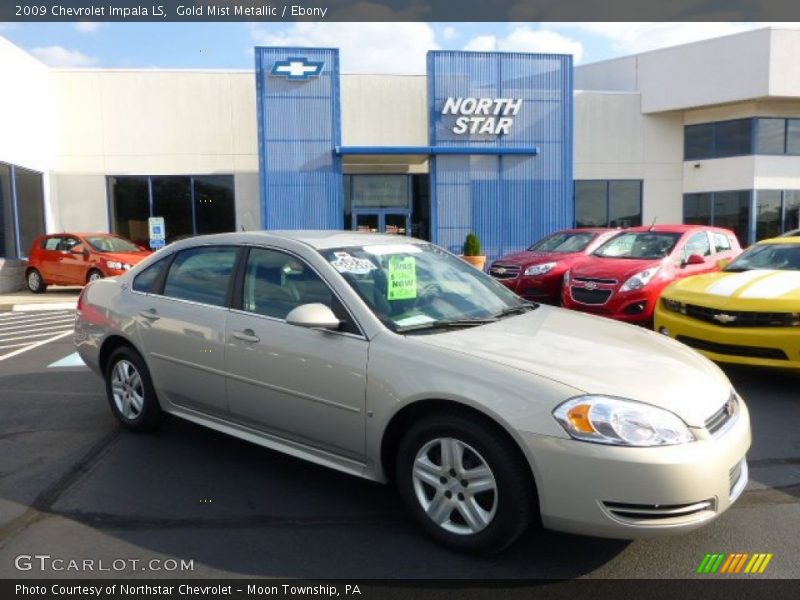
pixel 690 282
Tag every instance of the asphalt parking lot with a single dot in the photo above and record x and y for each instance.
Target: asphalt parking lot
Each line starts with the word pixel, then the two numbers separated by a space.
pixel 74 485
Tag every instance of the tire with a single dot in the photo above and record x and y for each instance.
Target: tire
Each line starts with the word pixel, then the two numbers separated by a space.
pixel 93 275
pixel 485 522
pixel 35 282
pixel 130 391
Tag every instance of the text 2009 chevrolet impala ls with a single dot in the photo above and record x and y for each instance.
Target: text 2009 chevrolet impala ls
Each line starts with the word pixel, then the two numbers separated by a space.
pixel 389 358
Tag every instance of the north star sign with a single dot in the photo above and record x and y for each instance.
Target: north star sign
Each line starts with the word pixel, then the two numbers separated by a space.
pixel 492 116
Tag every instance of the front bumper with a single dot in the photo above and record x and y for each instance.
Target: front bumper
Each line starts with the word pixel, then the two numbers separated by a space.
pixel 623 492
pixel 543 288
pixel 633 307
pixel 777 347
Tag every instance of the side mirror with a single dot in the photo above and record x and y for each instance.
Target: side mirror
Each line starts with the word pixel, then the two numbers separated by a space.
pixel 77 249
pixel 313 315
pixel 695 259
pixel 723 262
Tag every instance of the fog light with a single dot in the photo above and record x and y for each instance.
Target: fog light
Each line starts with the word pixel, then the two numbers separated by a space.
pixel 663 331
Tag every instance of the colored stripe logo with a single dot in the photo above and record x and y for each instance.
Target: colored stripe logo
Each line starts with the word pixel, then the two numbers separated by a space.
pixel 740 562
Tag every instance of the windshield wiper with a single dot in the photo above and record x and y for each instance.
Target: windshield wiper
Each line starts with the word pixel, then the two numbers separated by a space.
pixel 445 324
pixel 516 310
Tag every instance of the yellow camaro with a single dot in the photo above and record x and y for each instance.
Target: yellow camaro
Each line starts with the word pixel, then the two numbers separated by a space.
pixel 748 313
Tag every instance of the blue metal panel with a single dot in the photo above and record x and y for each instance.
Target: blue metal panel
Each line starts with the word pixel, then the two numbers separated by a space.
pixel 299 126
pixel 413 150
pixel 511 198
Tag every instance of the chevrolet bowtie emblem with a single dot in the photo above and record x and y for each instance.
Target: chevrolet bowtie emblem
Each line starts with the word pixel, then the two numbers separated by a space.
pixel 297 68
pixel 591 286
pixel 725 319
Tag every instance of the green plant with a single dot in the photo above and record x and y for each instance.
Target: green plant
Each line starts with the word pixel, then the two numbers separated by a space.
pixel 472 245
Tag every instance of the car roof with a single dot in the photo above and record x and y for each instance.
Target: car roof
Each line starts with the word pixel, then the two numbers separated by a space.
pixel 316 238
pixel 781 240
pixel 677 228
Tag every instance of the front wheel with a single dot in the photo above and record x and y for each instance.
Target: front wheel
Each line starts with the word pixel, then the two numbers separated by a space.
pixel 465 483
pixel 35 282
pixel 130 391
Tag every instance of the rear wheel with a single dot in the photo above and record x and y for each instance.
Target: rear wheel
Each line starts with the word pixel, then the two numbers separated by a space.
pixel 130 391
pixel 465 483
pixel 93 275
pixel 35 282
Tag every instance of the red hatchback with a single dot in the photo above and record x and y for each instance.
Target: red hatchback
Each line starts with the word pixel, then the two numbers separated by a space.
pixel 624 277
pixel 77 258
pixel 536 273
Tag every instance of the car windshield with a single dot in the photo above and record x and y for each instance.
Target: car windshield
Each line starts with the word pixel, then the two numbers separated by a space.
pixel 564 242
pixel 642 244
pixel 110 243
pixel 422 287
pixel 785 257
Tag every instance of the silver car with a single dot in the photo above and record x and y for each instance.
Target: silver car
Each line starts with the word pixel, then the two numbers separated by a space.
pixel 388 358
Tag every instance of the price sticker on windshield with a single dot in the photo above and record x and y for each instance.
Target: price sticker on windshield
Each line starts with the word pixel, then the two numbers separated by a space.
pixel 402 278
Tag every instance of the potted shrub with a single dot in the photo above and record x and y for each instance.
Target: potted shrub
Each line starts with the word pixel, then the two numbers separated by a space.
pixel 472 251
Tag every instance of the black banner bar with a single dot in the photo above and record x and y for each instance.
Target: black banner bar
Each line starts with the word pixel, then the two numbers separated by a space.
pixel 397 10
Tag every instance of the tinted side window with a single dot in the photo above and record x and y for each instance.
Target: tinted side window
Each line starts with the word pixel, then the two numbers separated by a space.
pixel 147 279
pixel 722 242
pixel 51 243
pixel 275 283
pixel 201 275
pixel 698 244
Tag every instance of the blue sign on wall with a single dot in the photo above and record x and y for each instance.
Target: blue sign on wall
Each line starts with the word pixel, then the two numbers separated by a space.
pixel 506 100
pixel 298 129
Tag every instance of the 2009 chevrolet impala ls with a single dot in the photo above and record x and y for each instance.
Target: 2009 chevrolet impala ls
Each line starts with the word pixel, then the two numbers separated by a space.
pixel 388 358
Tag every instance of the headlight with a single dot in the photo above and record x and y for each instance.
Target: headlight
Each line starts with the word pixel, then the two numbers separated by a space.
pixel 673 305
pixel 119 266
pixel 566 278
pixel 540 269
pixel 620 422
pixel 639 280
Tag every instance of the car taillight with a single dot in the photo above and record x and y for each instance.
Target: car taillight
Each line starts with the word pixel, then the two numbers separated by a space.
pixel 79 307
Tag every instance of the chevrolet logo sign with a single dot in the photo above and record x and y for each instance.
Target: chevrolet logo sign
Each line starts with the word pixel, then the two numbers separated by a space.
pixel 297 68
pixel 591 286
pixel 725 319
pixel 499 270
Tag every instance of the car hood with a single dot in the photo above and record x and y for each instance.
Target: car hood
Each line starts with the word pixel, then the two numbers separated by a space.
pixel 594 355
pixel 526 258
pixel 616 268
pixel 758 289
pixel 131 258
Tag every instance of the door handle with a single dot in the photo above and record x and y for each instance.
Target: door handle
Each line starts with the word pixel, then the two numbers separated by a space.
pixel 246 336
pixel 149 314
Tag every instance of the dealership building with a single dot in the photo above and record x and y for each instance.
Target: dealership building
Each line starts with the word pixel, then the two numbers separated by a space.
pixel 509 145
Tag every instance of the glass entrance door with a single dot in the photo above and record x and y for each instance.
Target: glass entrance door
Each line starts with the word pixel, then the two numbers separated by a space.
pixel 381 221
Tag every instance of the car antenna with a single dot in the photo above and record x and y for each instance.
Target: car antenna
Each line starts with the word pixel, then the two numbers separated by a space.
pixel 653 224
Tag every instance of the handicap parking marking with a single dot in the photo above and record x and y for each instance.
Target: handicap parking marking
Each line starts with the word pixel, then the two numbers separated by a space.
pixel 71 361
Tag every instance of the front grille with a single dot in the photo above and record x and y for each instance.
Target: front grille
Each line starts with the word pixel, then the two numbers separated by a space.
pixel 733 350
pixel 734 318
pixel 585 296
pixel 595 280
pixel 658 512
pixel 500 271
pixel 723 416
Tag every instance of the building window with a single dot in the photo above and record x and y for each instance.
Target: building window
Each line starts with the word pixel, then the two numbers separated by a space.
pixel 21 210
pixel 730 210
pixel 738 137
pixel 608 203
pixel 768 213
pixel 190 205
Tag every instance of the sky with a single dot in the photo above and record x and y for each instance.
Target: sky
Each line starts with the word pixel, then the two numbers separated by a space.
pixel 364 47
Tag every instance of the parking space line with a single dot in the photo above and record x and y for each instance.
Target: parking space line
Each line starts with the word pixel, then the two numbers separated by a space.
pixel 36 326
pixel 35 335
pixel 36 319
pixel 36 345
pixel 59 323
pixel 4 346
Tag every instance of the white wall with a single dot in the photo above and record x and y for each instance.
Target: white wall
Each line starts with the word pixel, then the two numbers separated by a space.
pixel 148 122
pixel 614 140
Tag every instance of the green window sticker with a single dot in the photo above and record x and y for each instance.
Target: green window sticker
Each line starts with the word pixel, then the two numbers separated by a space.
pixel 402 278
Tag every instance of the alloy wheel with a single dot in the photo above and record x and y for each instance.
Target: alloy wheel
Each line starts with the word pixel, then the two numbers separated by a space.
pixel 455 486
pixel 127 389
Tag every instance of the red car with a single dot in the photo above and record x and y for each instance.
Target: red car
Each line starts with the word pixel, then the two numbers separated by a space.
pixel 536 273
pixel 78 258
pixel 624 277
